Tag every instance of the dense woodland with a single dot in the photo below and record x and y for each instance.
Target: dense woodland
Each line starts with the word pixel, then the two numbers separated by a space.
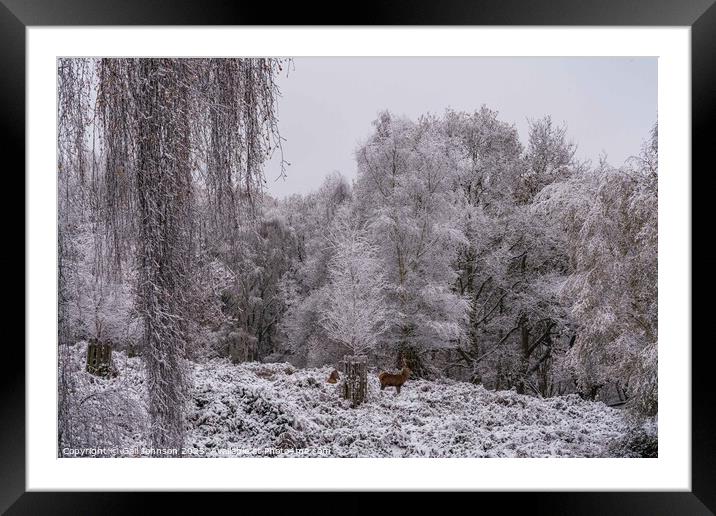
pixel 458 250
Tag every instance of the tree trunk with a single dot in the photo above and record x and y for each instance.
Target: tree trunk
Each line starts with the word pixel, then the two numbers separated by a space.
pixel 99 359
pixel 355 379
pixel 525 348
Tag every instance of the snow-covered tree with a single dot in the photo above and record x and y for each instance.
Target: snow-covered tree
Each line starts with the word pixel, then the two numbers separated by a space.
pixel 549 158
pixel 513 260
pixel 485 179
pixel 610 221
pixel 405 191
pixel 355 313
pixel 303 284
pixel 162 130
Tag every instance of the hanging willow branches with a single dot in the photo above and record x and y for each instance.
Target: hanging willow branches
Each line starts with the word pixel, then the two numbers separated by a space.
pixel 73 112
pixel 239 129
pixel 167 133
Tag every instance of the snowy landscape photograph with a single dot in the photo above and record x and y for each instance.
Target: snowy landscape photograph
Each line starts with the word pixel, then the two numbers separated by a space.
pixel 357 257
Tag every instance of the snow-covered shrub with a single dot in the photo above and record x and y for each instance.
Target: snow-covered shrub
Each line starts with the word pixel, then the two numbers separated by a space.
pixel 255 406
pixel 645 397
pixel 108 413
pixel 641 439
pixel 206 343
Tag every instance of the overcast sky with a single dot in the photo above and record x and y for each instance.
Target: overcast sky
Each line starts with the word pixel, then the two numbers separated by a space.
pixel 327 104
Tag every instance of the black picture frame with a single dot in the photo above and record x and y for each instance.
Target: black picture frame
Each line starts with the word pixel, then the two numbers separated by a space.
pixel 17 15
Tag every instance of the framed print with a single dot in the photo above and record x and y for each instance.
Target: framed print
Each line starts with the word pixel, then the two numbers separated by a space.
pixel 419 250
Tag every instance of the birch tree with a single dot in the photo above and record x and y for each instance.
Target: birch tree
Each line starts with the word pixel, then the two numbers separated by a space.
pixel 405 187
pixel 355 314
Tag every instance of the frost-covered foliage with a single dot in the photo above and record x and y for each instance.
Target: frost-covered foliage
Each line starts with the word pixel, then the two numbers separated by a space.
pixel 514 259
pixel 107 413
pixel 610 218
pixel 549 159
pixel 252 297
pixel 640 440
pixel 256 409
pixel 303 285
pixel 405 192
pixel 98 306
pixel 258 406
pixel 355 313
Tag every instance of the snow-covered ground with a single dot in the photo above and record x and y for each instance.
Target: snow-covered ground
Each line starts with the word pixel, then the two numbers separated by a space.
pixel 257 406
pixel 256 409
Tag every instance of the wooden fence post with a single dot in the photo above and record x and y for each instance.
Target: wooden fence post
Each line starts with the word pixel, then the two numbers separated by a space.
pixel 355 379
